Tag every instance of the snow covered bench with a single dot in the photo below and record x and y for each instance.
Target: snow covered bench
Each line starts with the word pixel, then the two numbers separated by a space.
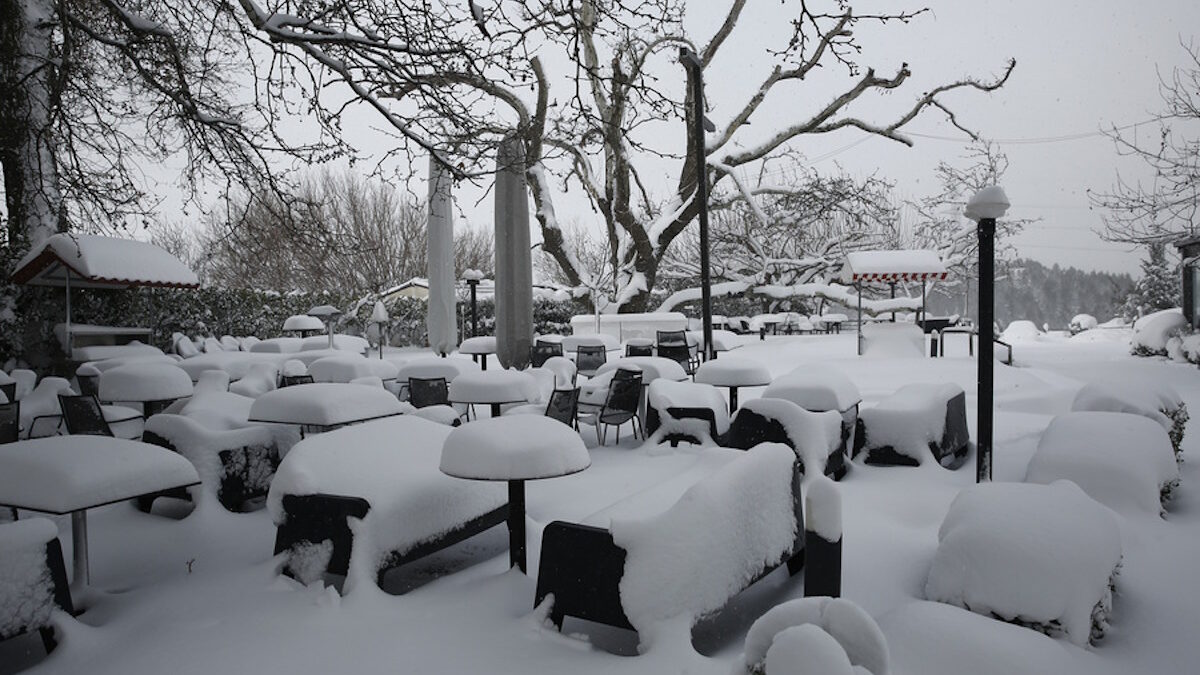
pixel 685 411
pixel 33 579
pixel 816 437
pixel 1040 556
pixel 362 499
pixel 682 547
pixel 916 420
pixel 820 389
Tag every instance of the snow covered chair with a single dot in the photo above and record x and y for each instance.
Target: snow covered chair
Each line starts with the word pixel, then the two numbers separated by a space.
pixel 8 386
pixel 212 345
pixel 682 547
pixel 33 579
pixel 820 389
pixel 40 413
pixel 385 475
pixel 26 381
pixel 257 381
pixel 814 436
pixel 685 411
pixel 230 343
pixel 183 345
pixel 916 420
pixel 1041 556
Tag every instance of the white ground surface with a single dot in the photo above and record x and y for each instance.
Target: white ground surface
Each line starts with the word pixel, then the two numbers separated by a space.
pixel 200 594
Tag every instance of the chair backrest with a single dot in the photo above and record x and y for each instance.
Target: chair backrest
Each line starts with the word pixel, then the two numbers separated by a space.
pixel 10 421
pixel 624 393
pixel 563 405
pixel 627 374
pixel 427 391
pixel 679 353
pixel 88 384
pixel 671 338
pixel 706 414
pixel 541 351
pixel 83 415
pixel 590 357
pixel 10 391
pixel 289 380
pixel 639 350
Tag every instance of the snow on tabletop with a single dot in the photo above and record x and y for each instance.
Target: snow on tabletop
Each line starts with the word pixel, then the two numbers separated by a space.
pixel 663 394
pixel 516 447
pixel 1020 331
pixel 815 434
pixel 293 368
pixel 651 367
pixel 1152 331
pixel 323 404
pixel 368 381
pixel 910 419
pixel 851 628
pixel 303 322
pixel 733 371
pixel 393 464
pixel 67 473
pixel 200 443
pixel 432 366
pixel 816 388
pixel 1041 555
pixel 1121 460
pixel 279 345
pixel 145 382
pixel 345 367
pixel 935 638
pixel 112 259
pixel 26 588
pixel 823 508
pixel 806 650
pixel 481 344
pixel 690 559
pixel 884 340
pixel 488 386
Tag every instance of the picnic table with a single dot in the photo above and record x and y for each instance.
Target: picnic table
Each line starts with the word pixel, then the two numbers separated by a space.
pixel 71 474
pixel 324 405
pixel 514 449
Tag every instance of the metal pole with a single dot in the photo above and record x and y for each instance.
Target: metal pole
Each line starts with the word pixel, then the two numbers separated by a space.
pixel 858 288
pixel 702 198
pixel 80 548
pixel 68 322
pixel 474 310
pixel 983 464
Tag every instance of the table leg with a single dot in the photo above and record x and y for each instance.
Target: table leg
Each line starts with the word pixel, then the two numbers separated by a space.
pixel 516 524
pixel 79 547
pixel 495 410
pixel 732 399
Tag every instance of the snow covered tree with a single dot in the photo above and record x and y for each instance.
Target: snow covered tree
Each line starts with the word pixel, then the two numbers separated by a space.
pixel 1170 205
pixel 1158 288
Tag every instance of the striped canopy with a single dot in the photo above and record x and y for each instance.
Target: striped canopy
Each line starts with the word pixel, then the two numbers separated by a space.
pixel 889 266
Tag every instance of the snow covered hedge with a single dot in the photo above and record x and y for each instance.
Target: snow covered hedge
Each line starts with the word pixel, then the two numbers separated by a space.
pixel 1152 332
pixel 1150 399
pixel 26 589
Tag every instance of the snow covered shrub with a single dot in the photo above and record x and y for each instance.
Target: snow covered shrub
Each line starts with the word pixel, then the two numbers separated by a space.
pixel 1151 332
pixel 26 589
pixel 1150 399
pixel 1082 322
pixel 1020 330
pixel 847 635
pixel 1041 556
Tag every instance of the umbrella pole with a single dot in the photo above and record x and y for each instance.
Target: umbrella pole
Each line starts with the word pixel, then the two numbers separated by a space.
pixel 67 286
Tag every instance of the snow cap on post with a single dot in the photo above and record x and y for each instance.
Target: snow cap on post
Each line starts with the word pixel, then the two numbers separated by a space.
pixel 989 202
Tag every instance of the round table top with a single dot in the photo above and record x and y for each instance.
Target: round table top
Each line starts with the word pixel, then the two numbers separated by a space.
pixel 517 447
pixel 435 366
pixel 731 371
pixel 652 367
pixel 144 381
pixel 480 344
pixel 493 386
pixel 324 404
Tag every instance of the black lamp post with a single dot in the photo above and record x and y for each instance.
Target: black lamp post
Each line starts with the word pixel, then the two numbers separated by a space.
pixel 700 124
pixel 984 208
pixel 472 278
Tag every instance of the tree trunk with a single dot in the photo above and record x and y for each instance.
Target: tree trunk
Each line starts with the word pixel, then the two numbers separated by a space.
pixel 27 95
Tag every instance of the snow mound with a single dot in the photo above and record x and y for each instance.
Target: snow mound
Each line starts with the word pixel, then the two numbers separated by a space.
pixel 201 445
pixel 260 379
pixel 145 382
pixel 520 446
pixel 280 345
pixel 346 367
pixel 1121 460
pixel 1148 397
pixel 911 419
pixel 349 343
pixel 1020 331
pixel 853 631
pixel 1082 322
pixel 883 340
pixel 690 559
pixel 1151 332
pixel 815 388
pixel 1042 556
pixel 26 590
pixel 814 435
pixel 806 650
pixel 663 394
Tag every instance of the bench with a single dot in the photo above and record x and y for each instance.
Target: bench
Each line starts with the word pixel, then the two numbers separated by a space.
pixel 604 568
pixel 360 500
pixel 818 438
pixel 916 418
pixel 31 556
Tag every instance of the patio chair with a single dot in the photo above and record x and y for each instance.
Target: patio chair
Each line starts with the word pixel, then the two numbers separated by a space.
pixel 83 415
pixel 540 352
pixel 10 421
pixel 9 390
pixel 639 350
pixel 620 406
pixel 673 344
pixel 589 358
pixel 424 392
pixel 289 380
pixel 564 406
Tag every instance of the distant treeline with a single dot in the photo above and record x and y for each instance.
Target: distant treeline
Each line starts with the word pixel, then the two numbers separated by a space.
pixel 1029 290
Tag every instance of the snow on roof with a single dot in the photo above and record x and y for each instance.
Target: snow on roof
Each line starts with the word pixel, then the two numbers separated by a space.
pixel 95 261
pixel 892 266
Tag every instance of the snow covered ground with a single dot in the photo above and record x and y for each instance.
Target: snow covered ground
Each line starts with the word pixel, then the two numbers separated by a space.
pixel 200 594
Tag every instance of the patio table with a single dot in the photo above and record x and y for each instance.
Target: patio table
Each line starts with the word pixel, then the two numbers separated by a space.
pixel 71 474
pixel 733 372
pixel 154 385
pixel 495 388
pixel 514 449
pixel 324 405
pixel 479 348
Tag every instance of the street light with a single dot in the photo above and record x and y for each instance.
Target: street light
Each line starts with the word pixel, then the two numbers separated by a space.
pixel 472 277
pixel 700 124
pixel 984 208
pixel 327 313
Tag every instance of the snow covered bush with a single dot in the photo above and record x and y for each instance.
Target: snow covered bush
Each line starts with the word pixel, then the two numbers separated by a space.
pixel 1151 332
pixel 26 589
pixel 847 635
pixel 1151 399
pixel 1121 460
pixel 1082 322
pixel 1020 330
pixel 1041 556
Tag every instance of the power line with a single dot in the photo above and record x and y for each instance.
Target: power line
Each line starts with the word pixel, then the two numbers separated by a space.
pixel 1036 140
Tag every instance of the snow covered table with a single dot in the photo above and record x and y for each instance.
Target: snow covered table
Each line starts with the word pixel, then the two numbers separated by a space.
pixel 154 385
pixel 324 405
pixel 495 388
pixel 479 347
pixel 820 389
pixel 71 474
pixel 733 372
pixel 514 449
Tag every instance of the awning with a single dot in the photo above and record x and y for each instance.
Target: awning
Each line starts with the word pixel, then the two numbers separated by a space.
pixel 93 261
pixel 889 266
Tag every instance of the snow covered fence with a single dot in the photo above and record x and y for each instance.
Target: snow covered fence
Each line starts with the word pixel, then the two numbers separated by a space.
pixel 33 578
pixel 1041 556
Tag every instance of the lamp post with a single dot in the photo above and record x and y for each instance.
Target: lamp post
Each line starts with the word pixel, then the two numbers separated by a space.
pixel 700 124
pixel 472 277
pixel 984 208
